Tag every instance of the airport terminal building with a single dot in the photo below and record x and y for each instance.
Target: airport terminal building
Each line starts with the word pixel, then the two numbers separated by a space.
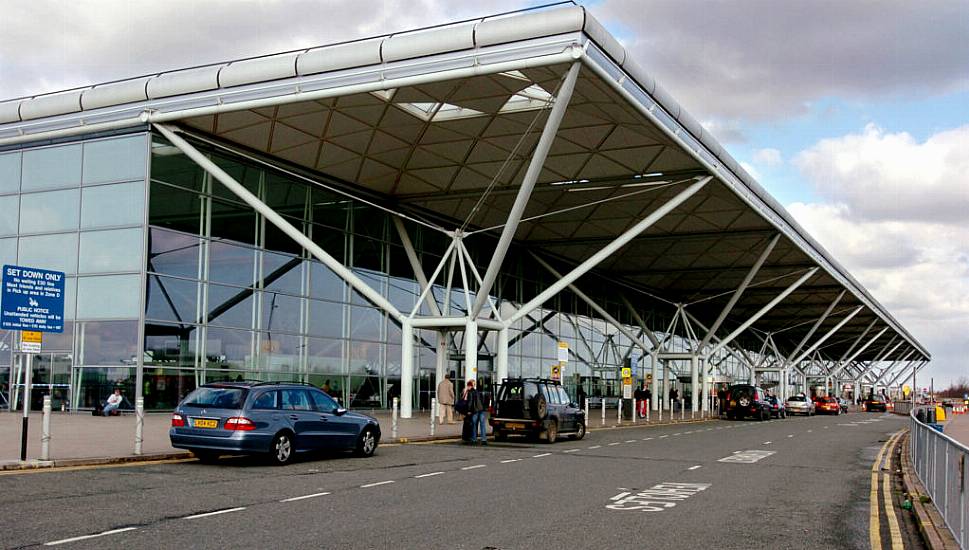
pixel 506 196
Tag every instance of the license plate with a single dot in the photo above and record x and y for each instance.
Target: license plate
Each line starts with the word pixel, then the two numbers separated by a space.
pixel 205 423
pixel 515 426
pixel 733 403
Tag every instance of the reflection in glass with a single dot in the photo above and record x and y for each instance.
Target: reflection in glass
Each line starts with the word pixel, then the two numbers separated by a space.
pixel 230 306
pixel 8 251
pixel 233 222
pixel 113 205
pixel 170 299
pixel 108 343
pixel 170 345
pixel 324 283
pixel 173 253
pixel 56 252
pixel 165 388
pixel 365 323
pixel 174 208
pixel 115 250
pixel 10 173
pixel 232 264
pixel 282 273
pixel 108 297
pixel 325 318
pixel 52 167
pixel 280 312
pixel 228 349
pixel 114 159
pixel 9 214
pixel 280 353
pixel 170 165
pixel 324 355
pixel 51 211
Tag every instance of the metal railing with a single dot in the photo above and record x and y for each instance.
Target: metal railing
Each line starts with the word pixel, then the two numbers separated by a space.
pixel 942 465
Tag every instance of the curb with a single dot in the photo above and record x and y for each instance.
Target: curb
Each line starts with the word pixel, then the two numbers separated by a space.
pixel 930 523
pixel 15 466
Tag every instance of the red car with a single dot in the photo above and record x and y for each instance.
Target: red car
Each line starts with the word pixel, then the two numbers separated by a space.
pixel 827 405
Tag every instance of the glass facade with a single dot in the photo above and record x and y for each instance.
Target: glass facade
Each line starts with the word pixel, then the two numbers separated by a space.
pixel 170 273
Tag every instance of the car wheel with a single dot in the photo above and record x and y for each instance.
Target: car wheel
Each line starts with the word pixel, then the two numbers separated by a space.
pixel 539 407
pixel 579 432
pixel 366 443
pixel 551 431
pixel 281 450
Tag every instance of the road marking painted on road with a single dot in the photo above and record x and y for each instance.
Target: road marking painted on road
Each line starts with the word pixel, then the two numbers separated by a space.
pixel 662 436
pixel 595 447
pixel 368 485
pixel 572 451
pixel 541 455
pixel 851 425
pixel 678 433
pixel 85 537
pixel 747 457
pixel 697 467
pixel 647 438
pixel 767 443
pixel 304 497
pixel 428 475
pixel 809 431
pixel 657 498
pixel 790 435
pixel 510 460
pixel 614 444
pixel 630 441
pixel 216 513
pixel 476 466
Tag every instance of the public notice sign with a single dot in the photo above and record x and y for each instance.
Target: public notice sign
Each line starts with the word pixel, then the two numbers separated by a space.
pixel 32 299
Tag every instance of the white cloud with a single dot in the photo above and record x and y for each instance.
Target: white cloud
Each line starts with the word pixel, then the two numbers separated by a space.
pixel 770 158
pixel 883 175
pixel 895 217
pixel 749 168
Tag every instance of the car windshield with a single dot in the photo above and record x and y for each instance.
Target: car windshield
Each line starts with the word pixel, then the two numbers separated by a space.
pixel 218 398
pixel 797 398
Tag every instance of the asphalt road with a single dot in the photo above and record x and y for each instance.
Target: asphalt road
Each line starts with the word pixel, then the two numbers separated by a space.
pixel 795 483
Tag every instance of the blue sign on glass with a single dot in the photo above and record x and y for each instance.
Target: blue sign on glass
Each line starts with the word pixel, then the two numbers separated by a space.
pixel 33 299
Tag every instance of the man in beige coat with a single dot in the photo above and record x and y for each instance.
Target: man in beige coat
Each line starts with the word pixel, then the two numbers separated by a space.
pixel 445 400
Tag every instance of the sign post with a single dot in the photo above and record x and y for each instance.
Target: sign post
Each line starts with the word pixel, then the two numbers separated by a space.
pixel 33 303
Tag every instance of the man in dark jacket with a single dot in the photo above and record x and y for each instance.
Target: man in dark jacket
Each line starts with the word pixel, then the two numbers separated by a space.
pixel 476 415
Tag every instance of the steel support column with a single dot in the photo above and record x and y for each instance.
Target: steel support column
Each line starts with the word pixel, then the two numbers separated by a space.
pixel 501 360
pixel 407 369
pixel 470 351
pixel 654 368
pixel 528 184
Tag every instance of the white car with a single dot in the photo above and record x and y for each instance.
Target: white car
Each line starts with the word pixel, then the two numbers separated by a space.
pixel 800 404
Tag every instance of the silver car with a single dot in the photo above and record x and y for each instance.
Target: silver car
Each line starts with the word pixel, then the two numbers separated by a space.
pixel 800 404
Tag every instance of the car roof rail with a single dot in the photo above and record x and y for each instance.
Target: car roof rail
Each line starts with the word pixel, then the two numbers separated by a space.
pixel 290 382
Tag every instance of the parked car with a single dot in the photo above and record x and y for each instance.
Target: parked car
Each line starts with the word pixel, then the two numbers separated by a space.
pixel 844 404
pixel 827 405
pixel 800 404
pixel 745 400
pixel 777 407
pixel 274 419
pixel 874 403
pixel 534 407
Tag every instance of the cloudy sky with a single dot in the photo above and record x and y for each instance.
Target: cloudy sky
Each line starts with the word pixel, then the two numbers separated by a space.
pixel 853 114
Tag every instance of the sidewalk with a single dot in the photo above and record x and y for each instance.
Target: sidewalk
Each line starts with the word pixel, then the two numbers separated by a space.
pixel 80 439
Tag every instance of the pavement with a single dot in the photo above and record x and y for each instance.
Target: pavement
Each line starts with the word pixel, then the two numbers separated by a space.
pixel 725 484
pixel 79 439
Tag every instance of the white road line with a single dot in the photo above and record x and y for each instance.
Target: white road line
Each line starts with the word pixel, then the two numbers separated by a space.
pixel 614 444
pixel 647 438
pixel 809 431
pixel 541 455
pixel 510 460
pixel 428 475
pixel 85 537
pixel 595 447
pixel 694 467
pixel 791 435
pixel 662 436
pixel 630 441
pixel 767 443
pixel 476 466
pixel 217 512
pixel 368 485
pixel 304 497
pixel 678 433
pixel 572 451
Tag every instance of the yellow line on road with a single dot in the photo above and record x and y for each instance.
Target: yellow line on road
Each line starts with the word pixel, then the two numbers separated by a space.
pixel 874 523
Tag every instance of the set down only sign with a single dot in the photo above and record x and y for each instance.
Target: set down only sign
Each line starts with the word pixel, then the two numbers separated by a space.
pixel 32 299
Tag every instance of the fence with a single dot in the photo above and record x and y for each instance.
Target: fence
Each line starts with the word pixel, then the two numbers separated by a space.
pixel 942 465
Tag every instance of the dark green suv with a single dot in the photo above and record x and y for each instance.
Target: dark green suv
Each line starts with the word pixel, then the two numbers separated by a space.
pixel 535 407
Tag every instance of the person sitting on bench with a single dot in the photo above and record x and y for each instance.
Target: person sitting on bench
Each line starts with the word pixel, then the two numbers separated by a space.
pixel 114 401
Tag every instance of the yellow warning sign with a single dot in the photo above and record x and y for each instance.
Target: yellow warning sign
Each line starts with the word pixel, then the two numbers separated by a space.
pixel 556 372
pixel 30 341
pixel 627 372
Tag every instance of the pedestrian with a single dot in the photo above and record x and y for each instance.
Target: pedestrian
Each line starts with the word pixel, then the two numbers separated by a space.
pixel 675 398
pixel 580 396
pixel 648 393
pixel 445 400
pixel 644 404
pixel 326 387
pixel 114 401
pixel 475 416
pixel 640 399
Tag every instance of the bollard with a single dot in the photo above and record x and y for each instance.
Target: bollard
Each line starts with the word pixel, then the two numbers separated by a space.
pixel 434 407
pixel 603 402
pixel 635 411
pixel 682 409
pixel 587 419
pixel 139 424
pixel 648 404
pixel 393 424
pixel 619 411
pixel 45 431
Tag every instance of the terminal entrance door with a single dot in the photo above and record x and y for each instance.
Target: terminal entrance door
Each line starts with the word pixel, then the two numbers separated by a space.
pixel 50 374
pixel 484 377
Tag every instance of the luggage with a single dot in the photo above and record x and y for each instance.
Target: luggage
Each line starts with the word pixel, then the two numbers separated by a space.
pixel 466 428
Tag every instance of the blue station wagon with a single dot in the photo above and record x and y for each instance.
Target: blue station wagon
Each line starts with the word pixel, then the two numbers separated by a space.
pixel 275 419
